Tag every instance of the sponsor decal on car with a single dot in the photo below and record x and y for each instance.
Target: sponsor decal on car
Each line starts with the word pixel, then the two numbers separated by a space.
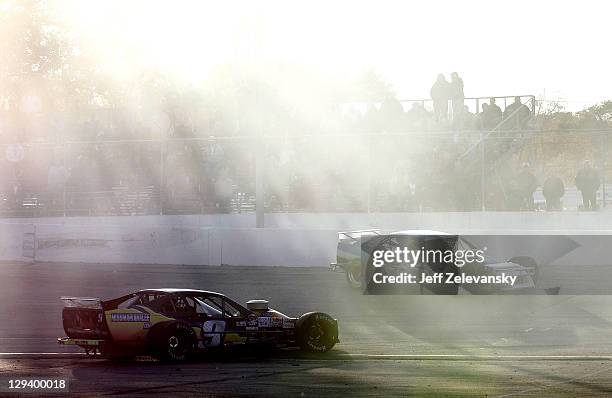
pixel 130 317
pixel 288 323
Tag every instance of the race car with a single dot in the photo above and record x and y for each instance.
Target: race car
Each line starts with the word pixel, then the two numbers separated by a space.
pixel 356 246
pixel 174 324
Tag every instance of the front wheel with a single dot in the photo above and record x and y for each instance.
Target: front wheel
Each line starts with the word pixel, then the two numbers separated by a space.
pixel 530 264
pixel 317 332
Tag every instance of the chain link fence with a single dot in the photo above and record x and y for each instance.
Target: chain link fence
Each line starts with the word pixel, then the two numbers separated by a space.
pixel 352 172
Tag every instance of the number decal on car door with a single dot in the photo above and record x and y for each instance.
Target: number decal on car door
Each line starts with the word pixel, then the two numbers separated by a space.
pixel 212 331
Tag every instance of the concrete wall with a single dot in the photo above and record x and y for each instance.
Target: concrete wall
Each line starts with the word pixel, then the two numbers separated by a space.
pixel 287 240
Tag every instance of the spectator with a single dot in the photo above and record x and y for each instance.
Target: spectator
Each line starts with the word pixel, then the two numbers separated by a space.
pixel 494 116
pixel 391 113
pixel 526 185
pixel 417 117
pixel 465 120
pixel 553 189
pixel 456 94
pixel 517 115
pixel 483 116
pixel 440 94
pixel 587 181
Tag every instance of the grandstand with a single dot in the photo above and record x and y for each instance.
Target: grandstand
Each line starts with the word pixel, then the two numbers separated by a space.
pixel 387 164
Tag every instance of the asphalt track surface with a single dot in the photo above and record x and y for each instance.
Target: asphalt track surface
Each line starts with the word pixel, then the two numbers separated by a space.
pixel 390 345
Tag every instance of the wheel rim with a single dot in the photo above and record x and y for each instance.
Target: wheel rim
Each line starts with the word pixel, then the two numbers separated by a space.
pixel 173 342
pixel 316 334
pixel 177 349
pixel 354 278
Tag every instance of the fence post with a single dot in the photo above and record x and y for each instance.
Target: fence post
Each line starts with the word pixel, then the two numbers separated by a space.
pixel 162 159
pixel 66 180
pixel 603 167
pixel 482 172
pixel 259 183
pixel 369 173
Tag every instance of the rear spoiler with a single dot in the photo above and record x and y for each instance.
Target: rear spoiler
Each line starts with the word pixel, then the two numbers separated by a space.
pixel 82 302
pixel 350 234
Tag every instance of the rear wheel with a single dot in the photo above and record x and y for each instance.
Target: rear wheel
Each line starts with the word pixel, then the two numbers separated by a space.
pixel 354 277
pixel 317 332
pixel 174 342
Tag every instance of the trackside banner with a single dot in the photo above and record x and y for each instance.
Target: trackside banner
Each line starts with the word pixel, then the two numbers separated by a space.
pixel 407 263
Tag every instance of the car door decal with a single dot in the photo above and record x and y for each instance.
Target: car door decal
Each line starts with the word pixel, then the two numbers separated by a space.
pixel 212 331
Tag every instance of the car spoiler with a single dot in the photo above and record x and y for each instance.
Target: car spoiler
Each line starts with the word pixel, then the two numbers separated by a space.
pixel 82 302
pixel 349 234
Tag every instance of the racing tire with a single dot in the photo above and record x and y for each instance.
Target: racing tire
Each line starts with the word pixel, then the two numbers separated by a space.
pixel 172 342
pixel 527 262
pixel 316 332
pixel 354 277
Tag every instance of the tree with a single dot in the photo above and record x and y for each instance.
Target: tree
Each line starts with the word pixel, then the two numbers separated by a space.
pixel 44 75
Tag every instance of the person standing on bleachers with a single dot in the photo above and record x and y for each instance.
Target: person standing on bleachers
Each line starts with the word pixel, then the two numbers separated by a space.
pixel 587 182
pixel 553 190
pixel 516 115
pixel 456 94
pixel 440 94
pixel 491 115
pixel 526 184
pixel 495 113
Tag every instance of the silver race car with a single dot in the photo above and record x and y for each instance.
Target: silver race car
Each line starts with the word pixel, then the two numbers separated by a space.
pixel 356 247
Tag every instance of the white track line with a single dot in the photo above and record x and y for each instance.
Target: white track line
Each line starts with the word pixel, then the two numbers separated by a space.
pixel 41 353
pixel 374 356
pixel 478 356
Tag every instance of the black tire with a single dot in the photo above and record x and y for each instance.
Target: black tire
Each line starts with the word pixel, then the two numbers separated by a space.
pixel 316 332
pixel 528 262
pixel 354 277
pixel 172 342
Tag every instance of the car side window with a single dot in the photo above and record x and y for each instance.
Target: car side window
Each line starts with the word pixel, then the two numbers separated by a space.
pixel 184 305
pixel 163 305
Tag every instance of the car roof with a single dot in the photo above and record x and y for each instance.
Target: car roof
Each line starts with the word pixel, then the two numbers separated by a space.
pixel 422 232
pixel 176 290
